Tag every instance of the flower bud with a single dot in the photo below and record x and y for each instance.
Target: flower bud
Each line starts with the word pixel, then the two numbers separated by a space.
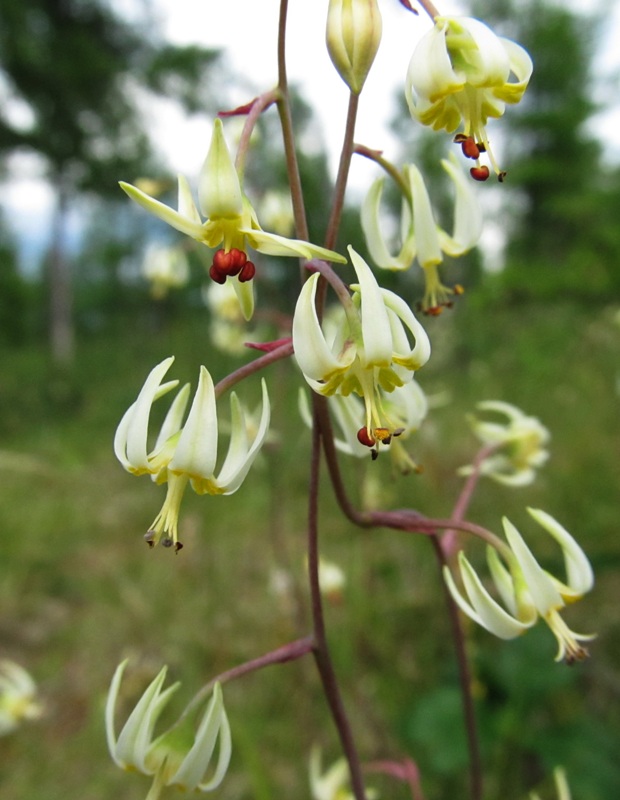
pixel 353 35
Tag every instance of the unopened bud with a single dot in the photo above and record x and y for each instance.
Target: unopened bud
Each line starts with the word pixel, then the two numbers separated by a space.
pixel 353 36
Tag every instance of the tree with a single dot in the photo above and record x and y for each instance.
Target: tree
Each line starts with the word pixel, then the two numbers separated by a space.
pixel 76 68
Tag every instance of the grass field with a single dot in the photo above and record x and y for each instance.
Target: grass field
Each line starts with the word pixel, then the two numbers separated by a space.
pixel 79 589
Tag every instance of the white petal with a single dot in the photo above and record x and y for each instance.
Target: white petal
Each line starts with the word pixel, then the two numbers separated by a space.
pixel 187 207
pixel 375 241
pixel 196 451
pixel 424 226
pixel 135 738
pixel 414 358
pixel 219 190
pixel 130 440
pixel 312 352
pixel 430 75
pixel 193 767
pixel 274 245
pixel 186 225
pixel 376 332
pixel 490 614
pixel 487 60
pixel 578 568
pixel 467 213
pixel 544 594
pixel 233 474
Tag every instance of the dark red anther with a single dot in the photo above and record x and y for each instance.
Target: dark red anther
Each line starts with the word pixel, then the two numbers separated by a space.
pixel 248 271
pixel 238 259
pixel 363 437
pixel 222 261
pixel 479 173
pixel 470 148
pixel 217 275
pixel 501 177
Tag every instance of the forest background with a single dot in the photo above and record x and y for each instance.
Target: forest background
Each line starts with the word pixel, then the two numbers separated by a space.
pixel 539 326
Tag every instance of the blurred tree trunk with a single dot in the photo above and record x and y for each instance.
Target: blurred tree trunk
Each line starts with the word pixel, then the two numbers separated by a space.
pixel 61 335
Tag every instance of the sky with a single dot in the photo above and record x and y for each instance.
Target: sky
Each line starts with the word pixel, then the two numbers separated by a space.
pixel 248 29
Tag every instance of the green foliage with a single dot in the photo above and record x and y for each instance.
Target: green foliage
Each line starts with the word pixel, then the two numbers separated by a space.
pixel 79 589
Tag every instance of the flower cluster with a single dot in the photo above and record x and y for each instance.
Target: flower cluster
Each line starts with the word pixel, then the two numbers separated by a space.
pixel 526 589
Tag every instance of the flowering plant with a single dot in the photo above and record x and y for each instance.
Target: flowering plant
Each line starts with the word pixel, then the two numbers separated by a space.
pixel 357 363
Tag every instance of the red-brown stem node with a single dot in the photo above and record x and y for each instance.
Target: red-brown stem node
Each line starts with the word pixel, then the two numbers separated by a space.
pixel 235 112
pixel 267 347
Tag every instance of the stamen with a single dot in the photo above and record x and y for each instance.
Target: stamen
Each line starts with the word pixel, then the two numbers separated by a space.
pixel 365 438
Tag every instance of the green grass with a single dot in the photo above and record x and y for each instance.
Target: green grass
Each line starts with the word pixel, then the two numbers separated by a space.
pixel 79 589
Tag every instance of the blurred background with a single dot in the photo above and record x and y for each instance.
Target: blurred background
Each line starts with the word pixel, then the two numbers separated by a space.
pixel 93 92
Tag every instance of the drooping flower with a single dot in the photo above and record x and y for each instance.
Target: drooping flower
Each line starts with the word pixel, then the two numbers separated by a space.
pixel 231 223
pixel 353 37
pixel 186 453
pixel 165 268
pixel 179 757
pixel 518 445
pixel 18 696
pixel 461 73
pixel 405 409
pixel 369 352
pixel 421 236
pixel 526 589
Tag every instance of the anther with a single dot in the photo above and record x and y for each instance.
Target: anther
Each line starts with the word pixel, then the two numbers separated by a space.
pixel 149 538
pixel 365 438
pixel 470 148
pixel 479 173
pixel 248 271
pixel 166 542
pixel 217 275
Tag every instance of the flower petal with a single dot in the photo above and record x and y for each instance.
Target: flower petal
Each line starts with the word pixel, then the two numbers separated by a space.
pixel 578 568
pixel 376 332
pixel 219 190
pixel 539 585
pixel 467 214
pixel 196 451
pixel 312 352
pixel 186 225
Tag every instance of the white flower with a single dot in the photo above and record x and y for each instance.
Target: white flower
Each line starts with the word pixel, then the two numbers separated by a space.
pixel 186 453
pixel 164 757
pixel 421 236
pixel 17 696
pixel 370 351
pixel 231 222
pixel 518 444
pixel 526 589
pixel 461 73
